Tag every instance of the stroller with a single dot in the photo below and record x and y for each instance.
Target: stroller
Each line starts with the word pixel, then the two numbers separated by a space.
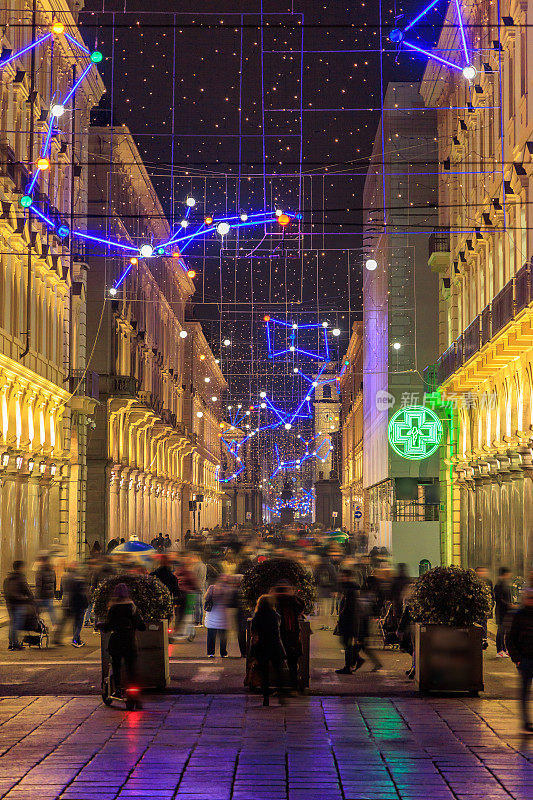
pixel 35 630
pixel 387 626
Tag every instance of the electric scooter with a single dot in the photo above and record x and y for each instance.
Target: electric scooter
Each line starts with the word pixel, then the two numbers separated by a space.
pixel 129 696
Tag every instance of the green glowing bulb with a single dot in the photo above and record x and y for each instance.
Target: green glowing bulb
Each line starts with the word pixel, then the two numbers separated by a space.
pixel 26 201
pixel 160 251
pixel 96 56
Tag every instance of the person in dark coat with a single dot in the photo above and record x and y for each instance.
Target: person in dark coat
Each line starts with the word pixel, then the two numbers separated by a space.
pixel 74 602
pixel 123 620
pixel 18 596
pixel 164 574
pixel 290 608
pixel 399 583
pixel 241 617
pixel 520 647
pixel 112 543
pixel 502 607
pixel 348 624
pixel 45 588
pixel 267 646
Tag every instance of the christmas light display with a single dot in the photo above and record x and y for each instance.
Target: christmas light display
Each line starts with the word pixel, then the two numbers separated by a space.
pixel 223 225
pixel 301 504
pixel 397 36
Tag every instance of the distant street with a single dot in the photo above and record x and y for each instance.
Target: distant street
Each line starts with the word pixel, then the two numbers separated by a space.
pixel 67 670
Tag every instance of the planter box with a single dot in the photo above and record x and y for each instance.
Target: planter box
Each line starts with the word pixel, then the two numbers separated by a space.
pixel 152 663
pixel 448 659
pixel 303 661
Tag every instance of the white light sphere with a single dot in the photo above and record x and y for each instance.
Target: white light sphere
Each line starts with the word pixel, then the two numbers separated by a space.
pixel 292 348
pixel 207 380
pixel 397 345
pixel 371 264
pixel 184 223
pixel 296 370
pixel 295 327
pixel 227 342
pixel 214 398
pixel 112 291
pixel 57 110
pixel 199 414
pixel 223 228
pixel 244 217
pixel 279 212
pixel 191 202
pixel 469 72
pixel 262 394
pixel 315 384
pixel 146 250
pixel 288 426
pixel 263 405
pixel 325 324
pixel 183 334
pixel 336 332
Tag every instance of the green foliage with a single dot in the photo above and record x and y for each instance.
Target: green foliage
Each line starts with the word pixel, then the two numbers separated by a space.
pixel 450 596
pixel 263 577
pixel 152 599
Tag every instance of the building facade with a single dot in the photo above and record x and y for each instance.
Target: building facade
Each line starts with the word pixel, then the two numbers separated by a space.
pixel 351 391
pixel 152 450
pixel 482 255
pixel 400 337
pixel 43 411
pixel 326 445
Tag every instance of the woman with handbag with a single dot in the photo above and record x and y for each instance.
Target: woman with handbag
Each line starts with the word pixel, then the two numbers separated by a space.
pixel 217 601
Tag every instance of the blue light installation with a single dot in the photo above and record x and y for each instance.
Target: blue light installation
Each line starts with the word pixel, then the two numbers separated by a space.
pixel 397 36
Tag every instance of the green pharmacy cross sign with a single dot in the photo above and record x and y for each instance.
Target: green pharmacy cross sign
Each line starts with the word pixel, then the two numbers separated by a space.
pixel 415 432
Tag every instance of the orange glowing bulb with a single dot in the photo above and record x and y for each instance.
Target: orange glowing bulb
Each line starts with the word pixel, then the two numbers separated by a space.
pixel 266 318
pixel 202 357
pixel 284 220
pixel 191 273
pixel 43 163
pixel 134 261
pixel 58 27
pixel 208 220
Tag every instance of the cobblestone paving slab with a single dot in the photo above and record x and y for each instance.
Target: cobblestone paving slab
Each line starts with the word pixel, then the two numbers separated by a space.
pixel 228 747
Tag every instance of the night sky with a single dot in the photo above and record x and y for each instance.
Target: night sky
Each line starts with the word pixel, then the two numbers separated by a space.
pixel 190 85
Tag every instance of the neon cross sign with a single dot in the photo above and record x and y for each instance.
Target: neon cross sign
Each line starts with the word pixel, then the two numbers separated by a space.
pixel 415 432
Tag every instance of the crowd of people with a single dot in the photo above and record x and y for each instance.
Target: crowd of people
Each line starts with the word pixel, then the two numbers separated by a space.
pixel 358 594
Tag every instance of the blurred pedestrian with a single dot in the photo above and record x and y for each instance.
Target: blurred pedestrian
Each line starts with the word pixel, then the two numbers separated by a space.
pixel 290 608
pixel 18 597
pixel 241 617
pixel 267 647
pixel 366 603
pixel 399 582
pixel 216 604
pixel 45 588
pixel 164 574
pixel 123 620
pixel 74 602
pixel 348 624
pixel 503 606
pixel 483 575
pixel 520 644
pixel 167 543
pixel 325 576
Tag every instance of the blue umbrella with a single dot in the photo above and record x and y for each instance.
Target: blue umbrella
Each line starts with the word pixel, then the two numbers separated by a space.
pixel 132 547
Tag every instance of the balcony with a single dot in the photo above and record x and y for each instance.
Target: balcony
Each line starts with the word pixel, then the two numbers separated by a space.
pixel 502 332
pixel 439 250
pixel 119 385
pixel 84 384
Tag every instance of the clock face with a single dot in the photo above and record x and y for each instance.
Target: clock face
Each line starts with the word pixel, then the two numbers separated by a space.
pixel 415 432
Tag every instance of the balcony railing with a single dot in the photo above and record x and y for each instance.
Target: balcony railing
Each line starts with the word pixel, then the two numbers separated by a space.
pixel 503 307
pixel 84 384
pixel 119 385
pixel 515 296
pixel 439 241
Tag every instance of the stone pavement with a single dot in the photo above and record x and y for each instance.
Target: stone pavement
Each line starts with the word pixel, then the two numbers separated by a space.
pixel 216 747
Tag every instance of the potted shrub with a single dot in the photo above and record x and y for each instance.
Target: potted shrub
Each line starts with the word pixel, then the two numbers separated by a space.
pixel 264 577
pixel 154 603
pixel 449 605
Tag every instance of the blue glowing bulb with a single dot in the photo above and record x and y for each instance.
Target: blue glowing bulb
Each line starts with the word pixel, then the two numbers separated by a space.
pixel 396 35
